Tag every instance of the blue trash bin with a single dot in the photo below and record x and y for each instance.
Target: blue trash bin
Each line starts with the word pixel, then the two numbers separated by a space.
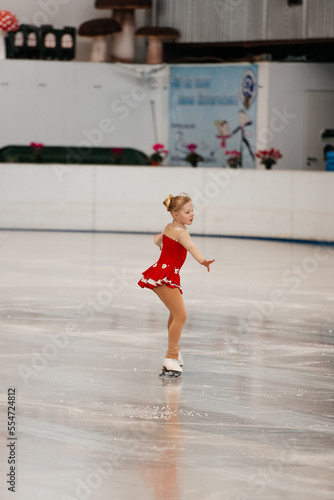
pixel 330 161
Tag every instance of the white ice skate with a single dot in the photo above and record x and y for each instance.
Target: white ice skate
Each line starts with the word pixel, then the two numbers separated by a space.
pixel 171 368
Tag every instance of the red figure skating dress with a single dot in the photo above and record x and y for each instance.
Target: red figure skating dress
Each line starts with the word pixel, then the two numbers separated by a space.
pixel 166 270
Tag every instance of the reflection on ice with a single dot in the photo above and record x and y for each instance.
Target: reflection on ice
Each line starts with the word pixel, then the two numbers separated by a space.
pixel 252 414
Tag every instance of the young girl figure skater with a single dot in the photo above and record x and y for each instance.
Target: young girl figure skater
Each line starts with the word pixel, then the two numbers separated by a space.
pixel 164 278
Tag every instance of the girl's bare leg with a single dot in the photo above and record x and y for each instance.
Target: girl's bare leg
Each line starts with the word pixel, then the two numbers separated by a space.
pixel 173 300
pixel 170 319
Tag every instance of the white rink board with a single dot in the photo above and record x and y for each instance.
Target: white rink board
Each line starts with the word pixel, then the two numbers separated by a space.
pixel 269 204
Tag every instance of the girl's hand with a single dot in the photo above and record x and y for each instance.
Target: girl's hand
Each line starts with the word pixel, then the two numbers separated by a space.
pixel 207 263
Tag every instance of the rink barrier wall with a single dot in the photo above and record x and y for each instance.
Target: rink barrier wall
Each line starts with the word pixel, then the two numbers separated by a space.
pixel 194 235
pixel 279 205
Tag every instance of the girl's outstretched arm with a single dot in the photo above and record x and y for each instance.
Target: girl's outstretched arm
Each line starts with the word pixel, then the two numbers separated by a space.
pixel 185 240
pixel 158 239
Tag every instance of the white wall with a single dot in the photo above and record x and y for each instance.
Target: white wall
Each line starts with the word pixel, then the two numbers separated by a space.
pixel 64 103
pixel 281 93
pixel 272 204
pixel 83 104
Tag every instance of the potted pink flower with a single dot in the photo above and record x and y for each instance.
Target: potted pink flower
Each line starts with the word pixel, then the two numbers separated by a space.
pixel 268 158
pixel 160 153
pixel 37 148
pixel 192 157
pixel 117 155
pixel 234 160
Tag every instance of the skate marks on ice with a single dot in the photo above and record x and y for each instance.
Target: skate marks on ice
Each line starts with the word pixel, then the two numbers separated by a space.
pixel 251 416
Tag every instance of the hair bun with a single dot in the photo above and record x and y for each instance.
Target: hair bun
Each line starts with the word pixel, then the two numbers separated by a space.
pixel 167 202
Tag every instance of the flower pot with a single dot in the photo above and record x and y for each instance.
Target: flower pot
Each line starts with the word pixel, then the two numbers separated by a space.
pixel 268 164
pixel 232 163
pixel 192 157
pixel 155 163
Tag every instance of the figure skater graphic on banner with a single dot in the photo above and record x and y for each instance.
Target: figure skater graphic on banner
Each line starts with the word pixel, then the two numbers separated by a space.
pixel 224 132
pixel 244 121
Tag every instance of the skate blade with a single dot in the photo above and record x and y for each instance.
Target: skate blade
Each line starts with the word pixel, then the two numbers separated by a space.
pixel 169 374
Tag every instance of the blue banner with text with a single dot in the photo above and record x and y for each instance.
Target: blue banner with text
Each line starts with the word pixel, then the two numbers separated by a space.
pixel 212 115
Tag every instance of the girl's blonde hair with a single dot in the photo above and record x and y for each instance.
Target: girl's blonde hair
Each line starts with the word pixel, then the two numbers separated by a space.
pixel 175 203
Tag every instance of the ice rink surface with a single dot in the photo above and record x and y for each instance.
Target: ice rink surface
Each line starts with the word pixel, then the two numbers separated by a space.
pixel 252 416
